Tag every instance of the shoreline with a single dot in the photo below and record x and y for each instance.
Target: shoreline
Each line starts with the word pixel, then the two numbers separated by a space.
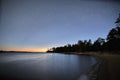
pixel 109 66
pixel 106 68
pixel 92 74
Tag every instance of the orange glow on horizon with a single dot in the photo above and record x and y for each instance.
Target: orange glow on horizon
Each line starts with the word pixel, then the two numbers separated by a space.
pixel 27 49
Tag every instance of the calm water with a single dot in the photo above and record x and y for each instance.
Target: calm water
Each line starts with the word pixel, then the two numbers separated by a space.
pixel 43 66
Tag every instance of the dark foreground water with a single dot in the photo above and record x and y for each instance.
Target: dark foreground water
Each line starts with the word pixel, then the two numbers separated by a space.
pixel 44 66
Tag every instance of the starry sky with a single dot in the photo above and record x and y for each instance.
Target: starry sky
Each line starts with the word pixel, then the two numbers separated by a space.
pixel 37 25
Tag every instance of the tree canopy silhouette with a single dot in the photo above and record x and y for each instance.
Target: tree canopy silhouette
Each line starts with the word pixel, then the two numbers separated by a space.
pixel 111 43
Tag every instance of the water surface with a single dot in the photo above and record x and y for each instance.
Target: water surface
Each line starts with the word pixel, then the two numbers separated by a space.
pixel 44 66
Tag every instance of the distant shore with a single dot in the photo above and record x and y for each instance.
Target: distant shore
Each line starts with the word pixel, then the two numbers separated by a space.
pixel 19 52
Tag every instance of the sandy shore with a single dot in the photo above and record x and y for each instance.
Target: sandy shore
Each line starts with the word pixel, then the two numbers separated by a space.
pixel 110 67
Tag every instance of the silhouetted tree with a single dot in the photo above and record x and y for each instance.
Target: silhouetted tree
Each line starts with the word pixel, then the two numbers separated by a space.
pixel 80 46
pixel 89 45
pixel 113 39
pixel 98 44
pixel 114 34
pixel 84 45
pixel 112 43
pixel 118 21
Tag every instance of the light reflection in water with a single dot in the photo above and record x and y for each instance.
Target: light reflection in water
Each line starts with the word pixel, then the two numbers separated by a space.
pixel 45 66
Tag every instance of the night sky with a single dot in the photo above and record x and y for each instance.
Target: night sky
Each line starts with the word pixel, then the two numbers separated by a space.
pixel 37 25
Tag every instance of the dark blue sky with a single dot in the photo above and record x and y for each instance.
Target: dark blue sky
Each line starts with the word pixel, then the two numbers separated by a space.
pixel 41 24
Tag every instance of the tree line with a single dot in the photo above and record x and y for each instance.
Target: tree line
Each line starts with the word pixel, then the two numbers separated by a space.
pixel 111 43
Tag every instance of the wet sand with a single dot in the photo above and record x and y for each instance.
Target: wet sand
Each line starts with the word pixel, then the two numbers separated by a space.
pixel 110 68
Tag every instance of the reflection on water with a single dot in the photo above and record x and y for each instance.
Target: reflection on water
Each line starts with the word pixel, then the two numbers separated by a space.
pixel 34 66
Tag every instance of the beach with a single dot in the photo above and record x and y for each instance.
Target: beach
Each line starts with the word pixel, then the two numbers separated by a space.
pixel 109 68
